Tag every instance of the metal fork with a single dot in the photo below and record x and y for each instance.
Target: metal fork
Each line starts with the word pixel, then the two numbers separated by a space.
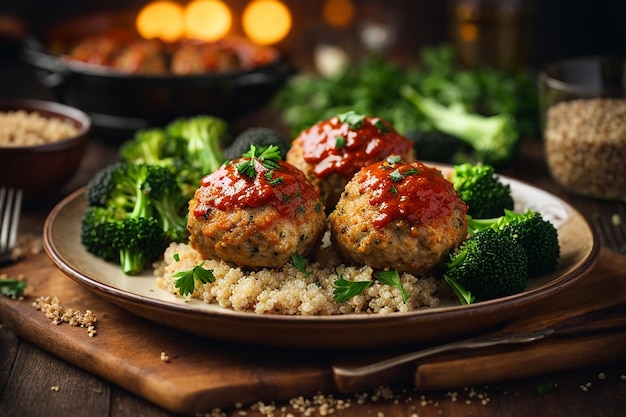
pixel 612 232
pixel 10 207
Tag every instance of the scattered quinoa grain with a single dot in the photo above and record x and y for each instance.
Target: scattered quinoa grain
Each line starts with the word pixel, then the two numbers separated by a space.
pixel 164 357
pixel 601 375
pixel 52 308
pixel 54 388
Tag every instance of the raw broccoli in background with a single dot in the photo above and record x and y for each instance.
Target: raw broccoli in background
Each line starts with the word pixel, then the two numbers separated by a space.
pixel 482 190
pixel 538 237
pixel 494 139
pixel 487 265
pixel 372 86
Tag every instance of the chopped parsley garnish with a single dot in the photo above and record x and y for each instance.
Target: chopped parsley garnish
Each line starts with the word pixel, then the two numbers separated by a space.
pixel 273 181
pixel 186 282
pixel 300 263
pixel 382 127
pixel 396 176
pixel 353 119
pixel 392 278
pixel 393 190
pixel 345 290
pixel 340 142
pixel 268 156
pixel 12 287
pixel 394 159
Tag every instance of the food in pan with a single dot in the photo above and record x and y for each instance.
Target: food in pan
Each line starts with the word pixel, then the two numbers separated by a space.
pixel 122 51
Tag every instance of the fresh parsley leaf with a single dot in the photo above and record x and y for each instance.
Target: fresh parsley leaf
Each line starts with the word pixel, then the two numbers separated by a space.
pixel 393 190
pixel 300 263
pixel 392 278
pixel 340 141
pixel 186 282
pixel 353 119
pixel 394 159
pixel 12 287
pixel 269 156
pixel 382 127
pixel 396 176
pixel 273 181
pixel 176 257
pixel 345 290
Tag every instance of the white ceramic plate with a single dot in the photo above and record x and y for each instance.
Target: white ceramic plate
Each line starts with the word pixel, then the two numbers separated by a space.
pixel 140 295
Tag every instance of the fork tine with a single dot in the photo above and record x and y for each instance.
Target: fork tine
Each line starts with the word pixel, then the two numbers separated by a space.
pixel 10 206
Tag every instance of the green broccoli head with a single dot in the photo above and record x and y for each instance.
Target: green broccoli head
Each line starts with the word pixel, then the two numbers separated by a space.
pixel 487 265
pixel 146 146
pixel 481 189
pixel 168 200
pixel 96 234
pixel 199 139
pixel 494 139
pixel 536 235
pixel 139 241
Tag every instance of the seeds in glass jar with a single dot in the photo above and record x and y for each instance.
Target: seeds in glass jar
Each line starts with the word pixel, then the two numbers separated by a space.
pixel 585 143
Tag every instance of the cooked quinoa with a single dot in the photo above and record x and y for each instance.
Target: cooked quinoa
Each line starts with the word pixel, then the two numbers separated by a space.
pixel 289 291
pixel 22 128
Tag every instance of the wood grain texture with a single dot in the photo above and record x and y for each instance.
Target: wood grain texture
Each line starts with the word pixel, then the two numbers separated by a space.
pixel 202 374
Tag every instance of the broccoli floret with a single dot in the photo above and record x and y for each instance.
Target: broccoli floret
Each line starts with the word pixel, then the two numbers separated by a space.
pixel 168 201
pixel 139 241
pixel 132 211
pixel 95 231
pixel 259 137
pixel 487 265
pixel 494 139
pixel 147 146
pixel 199 139
pixel 538 237
pixel 133 242
pixel 481 189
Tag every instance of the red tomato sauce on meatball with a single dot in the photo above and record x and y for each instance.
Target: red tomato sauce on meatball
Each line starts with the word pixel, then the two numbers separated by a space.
pixel 345 143
pixel 412 192
pixel 285 188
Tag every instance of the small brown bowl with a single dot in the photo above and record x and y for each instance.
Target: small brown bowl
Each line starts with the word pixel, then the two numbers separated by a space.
pixel 42 170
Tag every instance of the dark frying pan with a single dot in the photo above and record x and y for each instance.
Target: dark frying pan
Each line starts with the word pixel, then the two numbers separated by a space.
pixel 132 101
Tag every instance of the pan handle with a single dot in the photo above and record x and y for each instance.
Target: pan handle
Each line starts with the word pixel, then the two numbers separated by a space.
pixel 53 72
pixel 275 75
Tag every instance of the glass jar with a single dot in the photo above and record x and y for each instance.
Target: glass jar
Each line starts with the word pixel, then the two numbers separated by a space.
pixel 583 120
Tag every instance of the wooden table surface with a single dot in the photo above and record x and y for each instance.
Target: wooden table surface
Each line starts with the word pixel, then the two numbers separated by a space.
pixel 35 383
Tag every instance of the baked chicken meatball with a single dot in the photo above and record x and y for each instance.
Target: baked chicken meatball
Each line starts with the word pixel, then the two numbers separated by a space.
pixel 398 215
pixel 255 212
pixel 332 151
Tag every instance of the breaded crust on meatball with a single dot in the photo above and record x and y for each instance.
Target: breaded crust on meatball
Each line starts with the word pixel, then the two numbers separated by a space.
pixel 253 214
pixel 332 151
pixel 396 215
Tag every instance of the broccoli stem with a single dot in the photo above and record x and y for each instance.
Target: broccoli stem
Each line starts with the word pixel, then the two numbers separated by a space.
pixel 493 138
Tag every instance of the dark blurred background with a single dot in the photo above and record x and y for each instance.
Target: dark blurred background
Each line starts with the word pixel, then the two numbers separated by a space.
pixel 554 29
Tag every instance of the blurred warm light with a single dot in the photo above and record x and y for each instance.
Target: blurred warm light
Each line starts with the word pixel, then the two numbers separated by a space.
pixel 468 32
pixel 207 20
pixel 338 13
pixel 161 19
pixel 266 21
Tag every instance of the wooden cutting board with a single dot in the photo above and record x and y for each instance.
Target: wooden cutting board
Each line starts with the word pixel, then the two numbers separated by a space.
pixel 202 374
